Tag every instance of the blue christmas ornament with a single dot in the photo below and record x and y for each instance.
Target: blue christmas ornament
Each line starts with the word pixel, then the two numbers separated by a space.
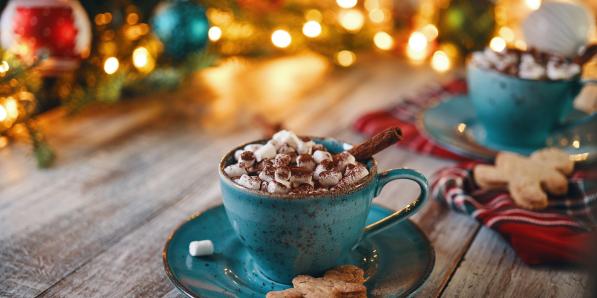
pixel 181 26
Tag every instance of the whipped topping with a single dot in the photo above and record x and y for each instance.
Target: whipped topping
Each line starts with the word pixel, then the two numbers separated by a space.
pixel 531 64
pixel 290 164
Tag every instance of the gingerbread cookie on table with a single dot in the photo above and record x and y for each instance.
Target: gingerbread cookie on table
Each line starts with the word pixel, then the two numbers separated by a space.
pixel 528 179
pixel 343 282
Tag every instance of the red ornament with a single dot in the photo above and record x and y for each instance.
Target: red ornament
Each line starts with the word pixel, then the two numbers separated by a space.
pixel 58 28
pixel 260 6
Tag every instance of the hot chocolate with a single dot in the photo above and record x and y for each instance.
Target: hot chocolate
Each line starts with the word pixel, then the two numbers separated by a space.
pixel 289 164
pixel 530 64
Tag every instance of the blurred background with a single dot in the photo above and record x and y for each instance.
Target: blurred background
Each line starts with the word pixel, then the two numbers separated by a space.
pixel 72 54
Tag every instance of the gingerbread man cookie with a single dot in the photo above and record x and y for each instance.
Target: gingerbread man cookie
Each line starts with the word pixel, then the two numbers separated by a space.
pixel 528 179
pixel 343 282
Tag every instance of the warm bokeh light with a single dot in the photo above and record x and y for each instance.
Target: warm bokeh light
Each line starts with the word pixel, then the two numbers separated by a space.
pixel 140 57
pixel 346 58
pixel 346 3
pixel 214 33
pixel 497 44
pixel 132 18
pixel 533 4
pixel 111 65
pixel 507 34
pixel 4 67
pixel 417 46
pixel 377 15
pixel 12 109
pixel 520 44
pixel 352 19
pixel 281 38
pixel 383 40
pixel 143 60
pixel 313 15
pixel 3 141
pixel 440 61
pixel 312 29
pixel 3 113
pixel 430 32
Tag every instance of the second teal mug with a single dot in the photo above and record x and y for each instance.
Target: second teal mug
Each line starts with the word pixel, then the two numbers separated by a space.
pixel 288 235
pixel 520 112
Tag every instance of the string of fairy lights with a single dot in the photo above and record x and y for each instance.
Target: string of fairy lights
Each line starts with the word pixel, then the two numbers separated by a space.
pixel 370 18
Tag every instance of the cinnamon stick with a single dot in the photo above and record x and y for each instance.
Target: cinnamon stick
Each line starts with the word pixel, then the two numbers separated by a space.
pixel 376 143
pixel 586 55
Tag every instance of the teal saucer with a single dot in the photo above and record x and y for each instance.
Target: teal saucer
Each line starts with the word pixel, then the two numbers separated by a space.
pixel 452 124
pixel 397 260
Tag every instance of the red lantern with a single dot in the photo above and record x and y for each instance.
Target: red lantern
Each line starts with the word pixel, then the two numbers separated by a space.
pixel 58 28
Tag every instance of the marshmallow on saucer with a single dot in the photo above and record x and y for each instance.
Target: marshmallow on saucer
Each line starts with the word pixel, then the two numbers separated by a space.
pixel 201 248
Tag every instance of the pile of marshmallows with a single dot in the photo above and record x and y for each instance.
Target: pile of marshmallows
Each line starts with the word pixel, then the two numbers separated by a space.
pixel 289 164
pixel 527 65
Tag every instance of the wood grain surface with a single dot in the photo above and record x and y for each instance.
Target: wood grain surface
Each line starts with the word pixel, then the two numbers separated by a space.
pixel 95 224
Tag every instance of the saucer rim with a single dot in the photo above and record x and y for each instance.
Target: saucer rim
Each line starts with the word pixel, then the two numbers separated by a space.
pixel 420 125
pixel 189 293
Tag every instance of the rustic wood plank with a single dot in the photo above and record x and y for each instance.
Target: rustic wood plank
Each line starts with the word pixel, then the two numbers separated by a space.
pixel 491 269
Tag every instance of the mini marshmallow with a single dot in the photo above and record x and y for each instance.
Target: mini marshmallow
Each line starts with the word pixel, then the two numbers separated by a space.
pixel 237 154
pixel 305 147
pixel 275 187
pixel 305 161
pixel 479 59
pixel 288 138
pixel 267 174
pixel 250 182
pixel 320 156
pixel 282 176
pixel 329 178
pixel 286 149
pixel 530 69
pixel 561 71
pixel 343 159
pixel 304 188
pixel 253 147
pixel 234 171
pixel 282 160
pixel 300 176
pixel 318 147
pixel 201 248
pixel 354 173
pixel 325 165
pixel 247 159
pixel 266 151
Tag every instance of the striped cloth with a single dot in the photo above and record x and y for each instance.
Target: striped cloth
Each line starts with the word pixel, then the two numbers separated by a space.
pixel 561 233
pixel 558 234
pixel 405 115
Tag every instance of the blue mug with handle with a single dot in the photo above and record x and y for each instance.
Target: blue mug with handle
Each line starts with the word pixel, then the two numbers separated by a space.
pixel 287 235
pixel 521 112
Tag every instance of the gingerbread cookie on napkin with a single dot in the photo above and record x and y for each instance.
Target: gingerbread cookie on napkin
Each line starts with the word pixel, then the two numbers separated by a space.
pixel 343 282
pixel 528 179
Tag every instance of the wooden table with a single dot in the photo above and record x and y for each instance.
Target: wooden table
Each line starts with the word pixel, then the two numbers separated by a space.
pixel 95 224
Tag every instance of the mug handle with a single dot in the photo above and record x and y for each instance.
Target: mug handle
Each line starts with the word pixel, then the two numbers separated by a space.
pixel 408 210
pixel 587 118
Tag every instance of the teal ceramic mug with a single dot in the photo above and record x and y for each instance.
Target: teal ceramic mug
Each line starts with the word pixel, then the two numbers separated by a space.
pixel 287 235
pixel 521 112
